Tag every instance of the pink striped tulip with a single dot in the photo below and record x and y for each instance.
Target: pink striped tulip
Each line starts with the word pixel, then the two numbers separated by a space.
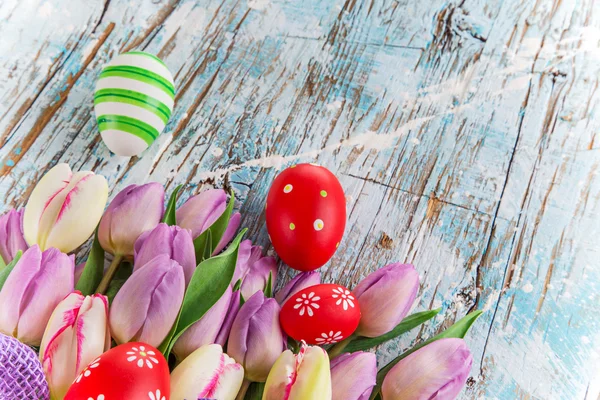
pixel 437 371
pixel 353 376
pixel 302 376
pixel 133 211
pixel 77 334
pixel 385 298
pixel 11 235
pixel 207 373
pixel 33 289
pixel 199 212
pixel 64 208
pixel 145 308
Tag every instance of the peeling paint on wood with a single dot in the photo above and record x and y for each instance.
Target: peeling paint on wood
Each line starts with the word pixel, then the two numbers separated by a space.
pixel 464 132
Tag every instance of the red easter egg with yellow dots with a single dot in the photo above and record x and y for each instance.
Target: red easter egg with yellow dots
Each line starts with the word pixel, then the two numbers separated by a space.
pixel 132 371
pixel 320 314
pixel 306 215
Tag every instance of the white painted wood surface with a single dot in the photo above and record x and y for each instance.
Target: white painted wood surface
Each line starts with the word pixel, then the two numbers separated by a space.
pixel 464 132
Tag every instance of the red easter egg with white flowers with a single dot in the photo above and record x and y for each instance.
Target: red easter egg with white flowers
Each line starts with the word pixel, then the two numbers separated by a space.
pixel 132 371
pixel 306 215
pixel 320 314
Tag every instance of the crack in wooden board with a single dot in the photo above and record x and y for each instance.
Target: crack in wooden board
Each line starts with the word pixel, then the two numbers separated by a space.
pixel 460 129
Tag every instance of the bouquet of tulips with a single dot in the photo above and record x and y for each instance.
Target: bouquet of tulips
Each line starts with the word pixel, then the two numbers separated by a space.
pixel 184 296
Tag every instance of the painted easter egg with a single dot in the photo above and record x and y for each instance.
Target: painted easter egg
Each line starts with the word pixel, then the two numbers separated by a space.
pixel 21 373
pixel 320 314
pixel 306 215
pixel 132 371
pixel 133 102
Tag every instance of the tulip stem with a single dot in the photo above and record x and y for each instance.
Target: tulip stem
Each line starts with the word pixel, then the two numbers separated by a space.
pixel 338 349
pixel 242 393
pixel 110 273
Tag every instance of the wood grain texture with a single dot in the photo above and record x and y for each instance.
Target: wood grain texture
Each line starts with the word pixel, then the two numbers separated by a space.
pixel 465 133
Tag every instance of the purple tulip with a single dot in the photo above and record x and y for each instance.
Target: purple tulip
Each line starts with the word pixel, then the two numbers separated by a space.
pixel 173 241
pixel 300 281
pixel 353 376
pixel 33 289
pixel 234 308
pixel 199 212
pixel 253 269
pixel 436 371
pixel 11 235
pixel 206 330
pixel 135 210
pixel 256 339
pixel 147 305
pixel 385 297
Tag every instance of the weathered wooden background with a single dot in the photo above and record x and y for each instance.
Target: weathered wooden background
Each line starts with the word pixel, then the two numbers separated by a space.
pixel 465 132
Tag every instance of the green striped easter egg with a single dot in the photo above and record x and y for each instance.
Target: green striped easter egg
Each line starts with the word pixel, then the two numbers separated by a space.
pixel 133 102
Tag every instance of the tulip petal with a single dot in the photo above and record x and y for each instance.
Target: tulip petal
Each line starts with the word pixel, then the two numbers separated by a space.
pixel 12 295
pixel 133 211
pixel 313 379
pixel 300 281
pixel 51 184
pixel 199 212
pixel 385 298
pixel 281 376
pixel 207 373
pixel 53 282
pixel 79 212
pixel 148 303
pixel 353 376
pixel 234 307
pixel 11 235
pixel 438 370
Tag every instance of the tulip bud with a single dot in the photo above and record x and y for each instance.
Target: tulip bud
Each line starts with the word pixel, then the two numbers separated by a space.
pixel 300 281
pixel 173 241
pixel 77 334
pixel 205 330
pixel 64 208
pixel 207 373
pixel 135 210
pixel 11 235
pixel 353 376
pixel 253 269
pixel 199 212
pixel 302 376
pixel 385 297
pixel 256 338
pixel 145 308
pixel 36 285
pixel 436 371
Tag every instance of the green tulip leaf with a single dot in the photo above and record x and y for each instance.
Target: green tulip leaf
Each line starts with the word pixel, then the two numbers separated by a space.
pixel 209 281
pixel 123 273
pixel 268 291
pixel 208 249
pixel 93 270
pixel 408 323
pixel 8 269
pixel 255 391
pixel 218 228
pixel 237 285
pixel 201 243
pixel 2 264
pixel 458 330
pixel 169 217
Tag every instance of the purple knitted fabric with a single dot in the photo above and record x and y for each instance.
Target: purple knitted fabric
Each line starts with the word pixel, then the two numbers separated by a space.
pixel 21 374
